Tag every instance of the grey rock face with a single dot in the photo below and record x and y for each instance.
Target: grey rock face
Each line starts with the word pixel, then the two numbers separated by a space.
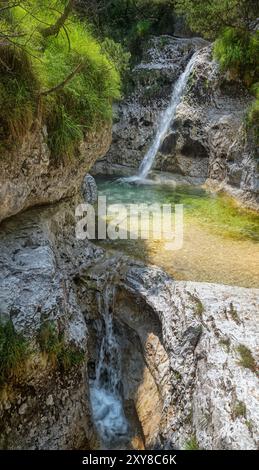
pixel 180 350
pixel 45 406
pixel 29 176
pixel 89 189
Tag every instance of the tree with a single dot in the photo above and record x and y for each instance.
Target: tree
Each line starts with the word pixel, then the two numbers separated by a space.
pixel 211 17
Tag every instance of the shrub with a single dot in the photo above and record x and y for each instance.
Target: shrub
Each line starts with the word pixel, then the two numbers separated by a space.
pixel 83 103
pixel 52 343
pixel 14 350
pixel 238 52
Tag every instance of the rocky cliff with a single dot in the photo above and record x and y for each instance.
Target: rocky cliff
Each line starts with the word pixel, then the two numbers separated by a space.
pixel 207 140
pixel 30 175
pixel 43 396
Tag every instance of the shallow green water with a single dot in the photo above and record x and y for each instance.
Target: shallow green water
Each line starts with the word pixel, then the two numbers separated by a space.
pixel 221 241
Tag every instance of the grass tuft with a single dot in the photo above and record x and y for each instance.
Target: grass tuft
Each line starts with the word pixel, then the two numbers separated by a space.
pixel 59 354
pixel 246 358
pixel 192 444
pixel 14 350
pixel 239 409
pixel 233 313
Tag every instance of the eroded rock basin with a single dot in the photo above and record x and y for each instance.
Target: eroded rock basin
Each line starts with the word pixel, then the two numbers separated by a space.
pixel 220 240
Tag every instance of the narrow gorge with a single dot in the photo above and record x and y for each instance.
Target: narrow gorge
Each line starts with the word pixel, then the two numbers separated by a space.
pixel 121 342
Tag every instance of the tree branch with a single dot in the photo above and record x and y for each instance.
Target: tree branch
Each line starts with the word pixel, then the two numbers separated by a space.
pixel 55 28
pixel 63 83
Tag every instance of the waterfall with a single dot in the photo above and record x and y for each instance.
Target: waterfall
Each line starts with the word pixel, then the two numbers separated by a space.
pixel 105 391
pixel 108 373
pixel 166 119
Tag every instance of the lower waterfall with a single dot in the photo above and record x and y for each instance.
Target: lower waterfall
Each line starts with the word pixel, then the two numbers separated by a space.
pixel 105 390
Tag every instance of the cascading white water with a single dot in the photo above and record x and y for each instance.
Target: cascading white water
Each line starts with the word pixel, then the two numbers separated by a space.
pixel 166 120
pixel 106 400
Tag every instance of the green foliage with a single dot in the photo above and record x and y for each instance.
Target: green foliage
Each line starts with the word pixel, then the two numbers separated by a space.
pixel 83 103
pixel 252 117
pixel 52 343
pixel 246 358
pixel 64 132
pixel 130 19
pixel 117 54
pixel 17 88
pixel 211 18
pixel 14 351
pixel 192 444
pixel 239 409
pixel 238 52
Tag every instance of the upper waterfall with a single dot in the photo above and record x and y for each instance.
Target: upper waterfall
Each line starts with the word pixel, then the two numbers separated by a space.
pixel 167 118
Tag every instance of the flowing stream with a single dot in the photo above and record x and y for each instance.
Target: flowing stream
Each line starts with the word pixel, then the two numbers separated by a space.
pixel 106 399
pixel 166 119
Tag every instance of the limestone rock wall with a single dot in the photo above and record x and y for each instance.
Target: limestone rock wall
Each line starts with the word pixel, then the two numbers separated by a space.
pixel 30 176
pixel 183 367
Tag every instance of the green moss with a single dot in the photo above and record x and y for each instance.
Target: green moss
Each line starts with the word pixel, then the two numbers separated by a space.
pixel 191 444
pixel 239 409
pixel 14 350
pixel 59 354
pixel 246 358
